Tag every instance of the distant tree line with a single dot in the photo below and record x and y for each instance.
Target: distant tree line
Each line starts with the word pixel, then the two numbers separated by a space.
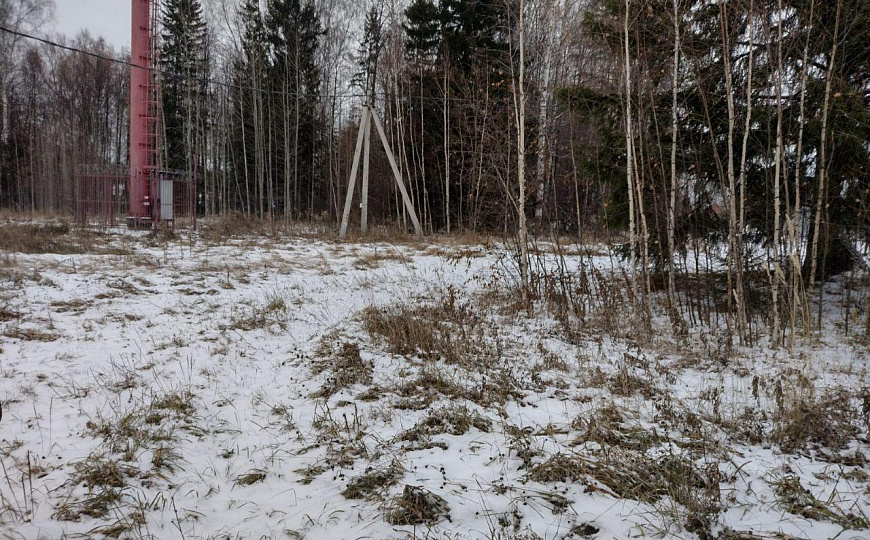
pixel 670 124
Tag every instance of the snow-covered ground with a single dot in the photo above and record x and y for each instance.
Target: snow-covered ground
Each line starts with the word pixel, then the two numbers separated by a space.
pixel 290 387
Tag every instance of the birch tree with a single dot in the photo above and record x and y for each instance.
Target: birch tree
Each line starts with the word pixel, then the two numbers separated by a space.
pixel 519 91
pixel 674 187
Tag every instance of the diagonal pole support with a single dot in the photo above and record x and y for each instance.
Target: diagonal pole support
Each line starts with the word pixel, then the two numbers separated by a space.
pixel 410 207
pixel 363 126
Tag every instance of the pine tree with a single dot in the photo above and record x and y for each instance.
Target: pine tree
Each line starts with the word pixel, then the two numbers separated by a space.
pixel 184 61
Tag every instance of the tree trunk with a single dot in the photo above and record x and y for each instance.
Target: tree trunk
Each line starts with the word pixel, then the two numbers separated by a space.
pixel 520 105
pixel 799 304
pixel 735 255
pixel 629 155
pixel 741 220
pixel 815 255
pixel 446 152
pixel 777 203
pixel 544 113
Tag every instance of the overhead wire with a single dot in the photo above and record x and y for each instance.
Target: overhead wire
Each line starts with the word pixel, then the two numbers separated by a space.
pixel 233 86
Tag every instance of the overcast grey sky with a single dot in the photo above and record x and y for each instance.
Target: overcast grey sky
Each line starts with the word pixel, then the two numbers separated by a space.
pixel 107 18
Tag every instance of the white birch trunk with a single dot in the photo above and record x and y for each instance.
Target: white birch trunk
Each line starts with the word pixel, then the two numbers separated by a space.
pixel 544 110
pixel 520 105
pixel 629 163
pixel 823 151
pixel 777 186
pixel 672 203
pixel 796 227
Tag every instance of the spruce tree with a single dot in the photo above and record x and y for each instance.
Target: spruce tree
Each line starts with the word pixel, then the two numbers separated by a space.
pixel 423 29
pixel 249 76
pixel 253 33
pixel 461 52
pixel 369 51
pixel 184 62
pixel 293 31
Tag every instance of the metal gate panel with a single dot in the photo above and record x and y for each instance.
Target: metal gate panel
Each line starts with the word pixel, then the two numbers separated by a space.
pixel 166 200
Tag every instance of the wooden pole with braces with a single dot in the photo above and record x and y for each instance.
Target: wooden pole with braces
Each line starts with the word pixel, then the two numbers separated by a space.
pixel 363 144
pixel 353 169
pixel 364 212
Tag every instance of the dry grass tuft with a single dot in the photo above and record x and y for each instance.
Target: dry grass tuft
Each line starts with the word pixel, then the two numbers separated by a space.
pixel 160 236
pixel 635 475
pixel 104 478
pixel 54 237
pixel 452 420
pixel 585 530
pixel 608 427
pixel 284 416
pixel 123 527
pixel 346 368
pixel 30 334
pixel 372 393
pixel 749 426
pixel 7 314
pixel 231 225
pixel 38 238
pixel 144 426
pixel 731 534
pixel 403 330
pixel 626 384
pixel 641 477
pixel 178 403
pixel 417 506
pixel 129 433
pixel 447 330
pixel 96 506
pixel 559 468
pixel 428 386
pixel 797 500
pixel 165 458
pixel 432 382
pixel 76 305
pixel 378 257
pixel 825 423
pixel 270 314
pixel 250 478
pixel 522 444
pixel 99 472
pixel 373 482
pixel 310 473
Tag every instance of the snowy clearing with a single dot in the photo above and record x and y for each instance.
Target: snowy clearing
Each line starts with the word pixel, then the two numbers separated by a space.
pixel 293 387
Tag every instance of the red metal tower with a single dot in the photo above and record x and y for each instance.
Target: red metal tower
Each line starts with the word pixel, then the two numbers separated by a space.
pixel 147 193
pixel 144 111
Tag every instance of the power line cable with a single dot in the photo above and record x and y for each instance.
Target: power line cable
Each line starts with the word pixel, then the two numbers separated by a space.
pixel 163 73
pixel 208 81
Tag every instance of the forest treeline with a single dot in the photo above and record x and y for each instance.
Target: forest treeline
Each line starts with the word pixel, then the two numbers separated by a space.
pixel 665 122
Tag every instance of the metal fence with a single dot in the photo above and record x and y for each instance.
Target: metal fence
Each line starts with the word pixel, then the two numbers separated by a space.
pixel 173 199
pixel 103 197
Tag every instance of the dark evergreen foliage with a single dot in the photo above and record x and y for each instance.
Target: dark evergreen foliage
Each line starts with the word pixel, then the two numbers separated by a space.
pixel 184 62
pixel 369 51
pixel 703 117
